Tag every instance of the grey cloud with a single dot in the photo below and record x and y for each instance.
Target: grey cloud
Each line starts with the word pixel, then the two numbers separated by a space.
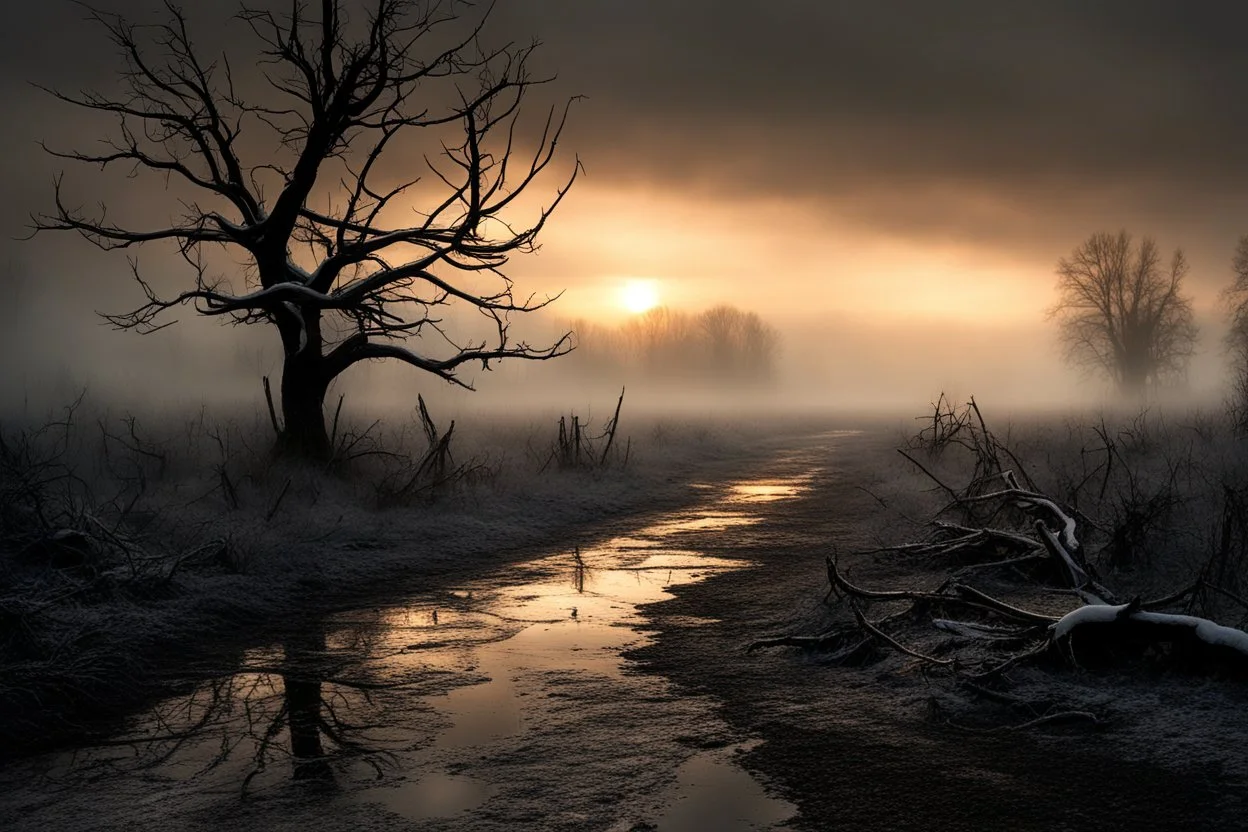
pixel 1040 102
pixel 910 115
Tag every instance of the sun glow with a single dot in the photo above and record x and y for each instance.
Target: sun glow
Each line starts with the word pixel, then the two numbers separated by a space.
pixel 639 296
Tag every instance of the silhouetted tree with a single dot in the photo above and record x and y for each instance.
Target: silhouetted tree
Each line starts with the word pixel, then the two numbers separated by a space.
pixel 1122 312
pixel 661 339
pixel 377 255
pixel 1236 298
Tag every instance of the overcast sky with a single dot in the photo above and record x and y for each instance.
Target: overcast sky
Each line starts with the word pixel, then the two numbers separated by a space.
pixel 879 167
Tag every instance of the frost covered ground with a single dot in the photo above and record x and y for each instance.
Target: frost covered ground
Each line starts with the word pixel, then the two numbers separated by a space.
pixel 138 553
pixel 883 746
pixel 498 702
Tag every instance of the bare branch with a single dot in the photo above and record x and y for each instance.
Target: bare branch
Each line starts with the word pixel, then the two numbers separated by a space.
pixel 338 100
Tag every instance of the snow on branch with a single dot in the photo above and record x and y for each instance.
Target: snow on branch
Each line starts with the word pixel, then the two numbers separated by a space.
pixel 1203 629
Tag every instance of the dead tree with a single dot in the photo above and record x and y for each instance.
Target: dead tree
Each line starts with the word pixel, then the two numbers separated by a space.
pixel 577 447
pixel 348 255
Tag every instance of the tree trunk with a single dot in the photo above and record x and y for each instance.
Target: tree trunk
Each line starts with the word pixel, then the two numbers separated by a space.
pixel 303 410
pixel 1135 376
pixel 304 707
pixel 305 381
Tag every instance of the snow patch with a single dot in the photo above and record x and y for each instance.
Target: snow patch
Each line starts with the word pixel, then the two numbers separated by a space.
pixel 303 330
pixel 1091 614
pixel 1204 629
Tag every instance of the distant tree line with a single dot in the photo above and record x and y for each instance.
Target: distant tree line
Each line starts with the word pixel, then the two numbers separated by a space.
pixel 722 346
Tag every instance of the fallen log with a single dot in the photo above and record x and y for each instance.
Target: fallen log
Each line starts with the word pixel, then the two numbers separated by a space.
pixel 1127 626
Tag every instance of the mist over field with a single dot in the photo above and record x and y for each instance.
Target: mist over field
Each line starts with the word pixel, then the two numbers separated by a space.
pixel 904 244
pixel 54 345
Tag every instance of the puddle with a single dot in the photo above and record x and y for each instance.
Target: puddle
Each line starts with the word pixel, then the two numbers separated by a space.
pixel 500 702
pixel 711 521
pixel 434 796
pixel 712 792
pixel 767 490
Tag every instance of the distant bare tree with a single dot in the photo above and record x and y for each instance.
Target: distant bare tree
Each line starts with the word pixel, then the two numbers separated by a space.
pixel 662 339
pixel 346 256
pixel 721 329
pixel 1122 312
pixel 1236 299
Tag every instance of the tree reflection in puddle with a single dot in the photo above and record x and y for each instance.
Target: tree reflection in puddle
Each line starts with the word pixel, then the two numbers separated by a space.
pixel 311 718
pixel 289 703
pixel 474 699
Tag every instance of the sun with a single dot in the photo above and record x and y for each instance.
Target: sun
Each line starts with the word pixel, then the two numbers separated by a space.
pixel 639 296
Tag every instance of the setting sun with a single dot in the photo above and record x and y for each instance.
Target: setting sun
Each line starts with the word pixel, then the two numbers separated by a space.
pixel 639 296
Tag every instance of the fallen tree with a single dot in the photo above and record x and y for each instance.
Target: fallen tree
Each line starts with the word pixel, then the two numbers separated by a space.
pixel 989 590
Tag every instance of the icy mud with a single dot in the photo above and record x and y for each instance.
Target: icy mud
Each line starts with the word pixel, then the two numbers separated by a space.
pixel 502 703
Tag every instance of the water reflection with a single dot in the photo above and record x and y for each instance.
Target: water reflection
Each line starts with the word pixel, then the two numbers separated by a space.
pixel 489 693
pixel 308 717
pixel 435 795
pixel 712 792
pixel 295 703
pixel 579 572
pixel 766 491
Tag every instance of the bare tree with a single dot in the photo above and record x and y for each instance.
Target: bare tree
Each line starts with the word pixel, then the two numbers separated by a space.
pixel 353 276
pixel 661 339
pixel 1236 299
pixel 1122 312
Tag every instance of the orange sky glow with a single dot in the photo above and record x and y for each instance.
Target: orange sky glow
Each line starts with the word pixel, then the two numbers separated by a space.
pixel 779 258
pixel 902 207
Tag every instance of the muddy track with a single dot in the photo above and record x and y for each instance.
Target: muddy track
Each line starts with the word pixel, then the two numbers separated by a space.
pixel 860 748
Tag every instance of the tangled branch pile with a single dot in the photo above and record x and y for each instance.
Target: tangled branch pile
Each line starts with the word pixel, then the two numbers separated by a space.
pixel 1003 579
pixel 66 551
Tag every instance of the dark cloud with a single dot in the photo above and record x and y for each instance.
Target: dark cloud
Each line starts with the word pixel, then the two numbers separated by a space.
pixel 980 85
pixel 1129 111
pixel 1027 101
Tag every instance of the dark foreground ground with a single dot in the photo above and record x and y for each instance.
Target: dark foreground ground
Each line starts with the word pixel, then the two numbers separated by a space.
pixel 862 749
pixel 593 743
